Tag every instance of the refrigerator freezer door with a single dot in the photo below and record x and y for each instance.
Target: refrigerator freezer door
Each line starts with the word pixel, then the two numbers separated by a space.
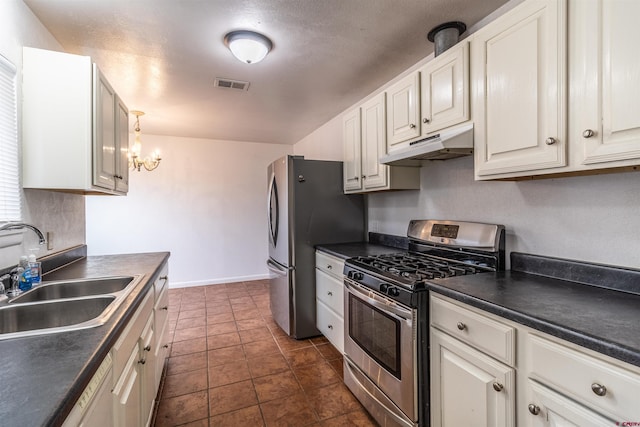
pixel 278 218
pixel 280 295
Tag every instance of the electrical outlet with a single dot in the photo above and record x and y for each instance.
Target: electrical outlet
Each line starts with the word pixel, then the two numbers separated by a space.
pixel 49 240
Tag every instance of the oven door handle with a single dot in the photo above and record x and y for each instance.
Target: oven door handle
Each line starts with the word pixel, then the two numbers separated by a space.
pixel 404 314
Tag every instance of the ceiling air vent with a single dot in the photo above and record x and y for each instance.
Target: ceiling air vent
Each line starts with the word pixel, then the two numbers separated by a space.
pixel 231 84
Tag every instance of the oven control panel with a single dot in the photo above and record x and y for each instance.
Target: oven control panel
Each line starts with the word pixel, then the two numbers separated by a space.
pixel 389 290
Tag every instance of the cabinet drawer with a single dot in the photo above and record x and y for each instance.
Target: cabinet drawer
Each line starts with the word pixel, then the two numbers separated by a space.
pixel 331 325
pixel 161 310
pixel 129 338
pixel 480 331
pixel 162 282
pixel 577 374
pixel 329 264
pixel 330 291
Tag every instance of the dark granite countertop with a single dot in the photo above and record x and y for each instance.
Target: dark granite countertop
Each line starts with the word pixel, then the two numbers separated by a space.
pixel 602 320
pixel 43 376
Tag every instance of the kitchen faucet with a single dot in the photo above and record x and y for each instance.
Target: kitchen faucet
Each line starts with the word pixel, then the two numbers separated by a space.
pixel 19 225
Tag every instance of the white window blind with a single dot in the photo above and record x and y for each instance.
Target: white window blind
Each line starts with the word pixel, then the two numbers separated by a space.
pixel 10 204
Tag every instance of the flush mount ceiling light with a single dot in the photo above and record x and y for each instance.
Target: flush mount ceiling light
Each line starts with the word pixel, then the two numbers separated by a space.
pixel 248 46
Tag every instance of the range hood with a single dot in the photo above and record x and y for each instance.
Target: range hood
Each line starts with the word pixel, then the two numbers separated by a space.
pixel 447 144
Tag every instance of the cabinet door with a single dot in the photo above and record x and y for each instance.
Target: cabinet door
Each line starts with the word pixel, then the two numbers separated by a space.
pixel 469 388
pixel 444 85
pixel 128 392
pixel 148 370
pixel 122 145
pixel 403 112
pixel 104 140
pixel 374 143
pixel 518 65
pixel 610 55
pixel 551 409
pixel 352 143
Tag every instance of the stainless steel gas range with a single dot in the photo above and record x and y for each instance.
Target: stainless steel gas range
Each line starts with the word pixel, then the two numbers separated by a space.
pixel 386 313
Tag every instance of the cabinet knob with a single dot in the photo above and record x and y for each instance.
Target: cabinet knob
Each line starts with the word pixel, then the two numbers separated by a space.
pixel 165 346
pixel 550 141
pixel 147 348
pixel 461 326
pixel 329 267
pixel 412 126
pixel 165 308
pixel 364 177
pixel 330 326
pixel 142 361
pixel 165 278
pixel 330 293
pixel 588 133
pixel 534 409
pixel 425 120
pixel 497 386
pixel 599 389
pixel 356 178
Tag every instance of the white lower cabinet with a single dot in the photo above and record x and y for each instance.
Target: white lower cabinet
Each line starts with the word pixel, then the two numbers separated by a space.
pixel 468 387
pixel 330 298
pixel 161 323
pixel 550 383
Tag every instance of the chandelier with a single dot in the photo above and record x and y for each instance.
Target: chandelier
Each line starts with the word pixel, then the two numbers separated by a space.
pixel 136 162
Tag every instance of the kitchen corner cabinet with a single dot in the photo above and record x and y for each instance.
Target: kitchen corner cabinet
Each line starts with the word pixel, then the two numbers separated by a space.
pixel 444 90
pixel 364 142
pixel 518 75
pixel 75 127
pixel 330 298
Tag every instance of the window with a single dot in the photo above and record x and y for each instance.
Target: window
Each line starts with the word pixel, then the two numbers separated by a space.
pixel 10 207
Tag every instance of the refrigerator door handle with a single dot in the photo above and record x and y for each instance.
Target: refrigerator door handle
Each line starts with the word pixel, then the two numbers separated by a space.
pixel 278 269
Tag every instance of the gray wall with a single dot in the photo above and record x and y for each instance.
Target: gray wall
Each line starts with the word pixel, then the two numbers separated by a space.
pixel 593 218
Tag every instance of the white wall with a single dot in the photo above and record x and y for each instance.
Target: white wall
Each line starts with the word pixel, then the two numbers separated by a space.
pixel 60 213
pixel 206 204
pixel 325 143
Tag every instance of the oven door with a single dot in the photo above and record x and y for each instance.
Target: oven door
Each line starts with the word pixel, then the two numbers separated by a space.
pixel 380 340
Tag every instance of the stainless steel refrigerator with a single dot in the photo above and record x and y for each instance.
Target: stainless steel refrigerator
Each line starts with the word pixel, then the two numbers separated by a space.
pixel 306 207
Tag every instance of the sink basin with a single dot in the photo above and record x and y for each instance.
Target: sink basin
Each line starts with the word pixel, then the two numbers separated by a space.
pixel 62 306
pixel 54 316
pixel 74 289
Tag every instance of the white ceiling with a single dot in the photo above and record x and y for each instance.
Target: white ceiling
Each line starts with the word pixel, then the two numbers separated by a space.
pixel 162 57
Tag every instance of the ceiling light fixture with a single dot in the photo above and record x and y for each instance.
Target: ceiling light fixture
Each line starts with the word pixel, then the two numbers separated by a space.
pixel 135 161
pixel 248 46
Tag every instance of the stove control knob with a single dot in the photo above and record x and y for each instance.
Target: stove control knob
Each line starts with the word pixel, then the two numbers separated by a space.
pixel 356 275
pixel 384 287
pixel 394 292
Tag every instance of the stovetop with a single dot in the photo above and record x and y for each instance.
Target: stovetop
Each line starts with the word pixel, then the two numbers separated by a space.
pixel 412 269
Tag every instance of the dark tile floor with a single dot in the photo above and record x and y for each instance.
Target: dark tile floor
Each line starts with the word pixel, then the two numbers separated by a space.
pixel 231 365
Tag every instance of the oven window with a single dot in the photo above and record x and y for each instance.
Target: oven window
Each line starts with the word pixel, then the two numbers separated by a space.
pixel 377 333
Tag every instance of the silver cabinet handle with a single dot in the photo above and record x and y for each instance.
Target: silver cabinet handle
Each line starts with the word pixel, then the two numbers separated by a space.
pixel 425 120
pixel 588 133
pixel 534 409
pixel 461 326
pixel 412 126
pixel 497 386
pixel 550 141
pixel 599 389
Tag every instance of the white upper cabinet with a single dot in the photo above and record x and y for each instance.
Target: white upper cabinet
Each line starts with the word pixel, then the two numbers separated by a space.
pixel 365 141
pixel 518 65
pixel 75 128
pixel 352 146
pixel 606 73
pixel 403 111
pixel 444 84
pixel 374 143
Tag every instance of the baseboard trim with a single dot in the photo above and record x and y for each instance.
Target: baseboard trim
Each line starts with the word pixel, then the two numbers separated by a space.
pixel 218 281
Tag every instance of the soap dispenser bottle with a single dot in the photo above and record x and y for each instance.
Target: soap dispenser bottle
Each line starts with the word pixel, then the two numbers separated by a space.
pixel 35 270
pixel 24 278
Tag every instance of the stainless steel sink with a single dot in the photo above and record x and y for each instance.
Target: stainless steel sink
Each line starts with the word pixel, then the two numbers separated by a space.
pixel 74 289
pixel 54 316
pixel 64 306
